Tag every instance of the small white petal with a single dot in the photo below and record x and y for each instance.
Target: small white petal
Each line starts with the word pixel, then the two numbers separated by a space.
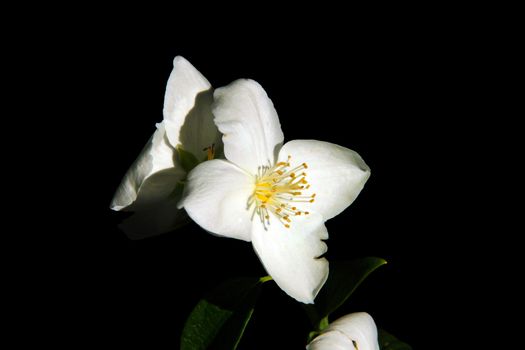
pixel 187 109
pixel 360 327
pixel 331 340
pixel 151 178
pixel 249 123
pixel 290 255
pixel 336 174
pixel 216 196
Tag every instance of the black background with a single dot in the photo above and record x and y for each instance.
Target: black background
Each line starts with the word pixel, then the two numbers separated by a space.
pixel 397 93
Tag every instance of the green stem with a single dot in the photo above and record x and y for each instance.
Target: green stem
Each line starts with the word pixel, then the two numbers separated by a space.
pixel 323 324
pixel 265 279
pixel 311 336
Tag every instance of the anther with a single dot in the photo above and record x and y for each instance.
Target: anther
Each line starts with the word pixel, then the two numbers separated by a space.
pixel 276 187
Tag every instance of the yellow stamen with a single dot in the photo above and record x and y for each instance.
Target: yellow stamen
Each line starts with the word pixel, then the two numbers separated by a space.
pixel 210 151
pixel 276 188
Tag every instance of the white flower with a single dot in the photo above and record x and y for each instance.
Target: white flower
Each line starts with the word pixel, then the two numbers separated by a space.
pixel 355 331
pixel 149 188
pixel 278 197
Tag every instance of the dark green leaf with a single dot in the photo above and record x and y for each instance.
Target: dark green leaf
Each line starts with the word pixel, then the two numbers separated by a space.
pixel 343 280
pixel 187 159
pixel 388 342
pixel 218 321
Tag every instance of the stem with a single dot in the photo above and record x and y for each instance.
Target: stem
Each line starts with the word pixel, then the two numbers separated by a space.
pixel 323 324
pixel 265 279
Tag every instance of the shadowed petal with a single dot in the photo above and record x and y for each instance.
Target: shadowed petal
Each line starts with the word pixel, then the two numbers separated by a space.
pixel 216 197
pixel 358 328
pixel 249 123
pixel 151 178
pixel 187 110
pixel 159 218
pixel 290 255
pixel 331 340
pixel 148 190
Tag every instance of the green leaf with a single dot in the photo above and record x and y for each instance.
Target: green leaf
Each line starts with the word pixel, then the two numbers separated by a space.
pixel 219 320
pixel 187 159
pixel 388 342
pixel 343 280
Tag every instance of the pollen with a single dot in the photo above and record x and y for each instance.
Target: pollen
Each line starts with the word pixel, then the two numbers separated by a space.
pixel 279 193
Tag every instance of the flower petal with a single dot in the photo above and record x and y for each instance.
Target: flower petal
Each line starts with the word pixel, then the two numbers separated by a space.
pixel 151 178
pixel 331 340
pixel 247 118
pixel 216 197
pixel 336 174
pixel 360 327
pixel 159 218
pixel 187 110
pixel 148 190
pixel 290 255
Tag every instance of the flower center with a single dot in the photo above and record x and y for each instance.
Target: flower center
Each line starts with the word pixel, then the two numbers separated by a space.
pixel 278 190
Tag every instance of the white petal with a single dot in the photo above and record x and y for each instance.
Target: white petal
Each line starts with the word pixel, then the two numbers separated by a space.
pixel 331 340
pixel 216 196
pixel 360 327
pixel 249 123
pixel 187 109
pixel 336 174
pixel 151 178
pixel 290 255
